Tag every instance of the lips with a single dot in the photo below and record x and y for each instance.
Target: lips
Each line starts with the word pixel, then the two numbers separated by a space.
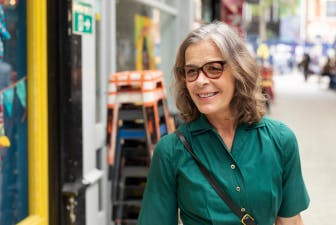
pixel 207 95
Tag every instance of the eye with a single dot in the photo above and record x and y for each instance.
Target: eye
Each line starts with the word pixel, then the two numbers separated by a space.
pixel 190 71
pixel 213 68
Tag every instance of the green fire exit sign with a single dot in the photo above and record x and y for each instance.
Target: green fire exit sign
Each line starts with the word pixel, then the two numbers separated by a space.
pixel 82 17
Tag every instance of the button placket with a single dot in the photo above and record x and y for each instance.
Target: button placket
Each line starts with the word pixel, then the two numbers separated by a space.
pixel 233 168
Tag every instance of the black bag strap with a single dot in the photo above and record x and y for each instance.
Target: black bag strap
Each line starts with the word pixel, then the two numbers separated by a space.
pixel 246 219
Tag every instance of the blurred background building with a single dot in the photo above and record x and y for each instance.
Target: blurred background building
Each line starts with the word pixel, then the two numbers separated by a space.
pixel 319 21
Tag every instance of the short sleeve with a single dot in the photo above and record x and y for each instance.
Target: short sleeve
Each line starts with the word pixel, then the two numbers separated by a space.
pixel 295 196
pixel 159 204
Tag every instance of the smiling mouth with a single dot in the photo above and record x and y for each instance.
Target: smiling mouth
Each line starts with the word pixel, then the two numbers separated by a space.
pixel 207 95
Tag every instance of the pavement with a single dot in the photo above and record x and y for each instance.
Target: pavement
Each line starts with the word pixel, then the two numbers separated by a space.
pixel 309 108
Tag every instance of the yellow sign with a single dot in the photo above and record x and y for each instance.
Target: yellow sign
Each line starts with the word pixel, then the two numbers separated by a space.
pixel 263 51
pixel 144 43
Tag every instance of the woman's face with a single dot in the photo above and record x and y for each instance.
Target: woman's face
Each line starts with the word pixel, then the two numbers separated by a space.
pixel 211 96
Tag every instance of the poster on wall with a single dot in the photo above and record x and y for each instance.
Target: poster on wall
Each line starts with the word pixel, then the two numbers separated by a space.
pixel 144 43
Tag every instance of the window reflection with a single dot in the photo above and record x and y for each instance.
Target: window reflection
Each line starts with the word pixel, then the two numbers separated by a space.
pixel 138 36
pixel 13 114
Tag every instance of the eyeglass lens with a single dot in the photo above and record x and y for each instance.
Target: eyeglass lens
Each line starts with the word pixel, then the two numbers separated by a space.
pixel 212 70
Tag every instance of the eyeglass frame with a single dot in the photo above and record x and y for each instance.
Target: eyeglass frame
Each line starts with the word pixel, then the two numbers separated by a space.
pixel 201 68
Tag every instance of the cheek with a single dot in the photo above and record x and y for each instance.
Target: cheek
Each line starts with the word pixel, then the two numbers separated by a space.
pixel 230 84
pixel 228 90
pixel 231 87
pixel 189 87
pixel 232 91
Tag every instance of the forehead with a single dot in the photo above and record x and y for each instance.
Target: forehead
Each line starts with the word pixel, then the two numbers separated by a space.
pixel 202 52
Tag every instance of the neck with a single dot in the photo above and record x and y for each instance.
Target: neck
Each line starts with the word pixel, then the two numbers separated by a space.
pixel 226 128
pixel 223 124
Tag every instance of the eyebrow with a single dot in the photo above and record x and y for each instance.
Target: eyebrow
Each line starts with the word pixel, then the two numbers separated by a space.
pixel 214 60
pixel 190 64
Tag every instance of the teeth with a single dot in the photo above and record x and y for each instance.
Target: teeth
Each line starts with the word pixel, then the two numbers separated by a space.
pixel 206 95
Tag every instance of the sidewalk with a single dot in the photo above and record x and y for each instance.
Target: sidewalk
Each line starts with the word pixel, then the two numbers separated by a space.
pixel 309 108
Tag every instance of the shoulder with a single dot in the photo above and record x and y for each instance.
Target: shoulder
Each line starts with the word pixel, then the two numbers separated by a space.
pixel 169 144
pixel 283 137
pixel 166 146
pixel 278 129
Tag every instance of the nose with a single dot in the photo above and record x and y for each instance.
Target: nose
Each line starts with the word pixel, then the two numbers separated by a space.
pixel 202 78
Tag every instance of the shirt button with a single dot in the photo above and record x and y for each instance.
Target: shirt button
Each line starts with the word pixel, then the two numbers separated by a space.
pixel 238 188
pixel 233 166
pixel 242 209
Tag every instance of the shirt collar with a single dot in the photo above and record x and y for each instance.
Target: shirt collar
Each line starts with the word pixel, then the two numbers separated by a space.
pixel 201 124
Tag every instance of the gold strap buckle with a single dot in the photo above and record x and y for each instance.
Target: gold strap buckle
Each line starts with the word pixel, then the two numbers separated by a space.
pixel 246 217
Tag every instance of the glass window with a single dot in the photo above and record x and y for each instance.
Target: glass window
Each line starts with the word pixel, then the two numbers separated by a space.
pixel 207 11
pixel 331 8
pixel 13 113
pixel 170 2
pixel 138 36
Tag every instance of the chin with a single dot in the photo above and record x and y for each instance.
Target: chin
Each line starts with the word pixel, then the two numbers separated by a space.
pixel 207 111
pixel 212 110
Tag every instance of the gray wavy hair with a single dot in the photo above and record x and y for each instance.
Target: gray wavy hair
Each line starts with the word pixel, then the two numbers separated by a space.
pixel 248 102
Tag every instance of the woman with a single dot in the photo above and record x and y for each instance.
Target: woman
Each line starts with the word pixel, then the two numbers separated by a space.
pixel 254 159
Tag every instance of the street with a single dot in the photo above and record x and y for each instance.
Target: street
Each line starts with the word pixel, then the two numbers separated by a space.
pixel 309 108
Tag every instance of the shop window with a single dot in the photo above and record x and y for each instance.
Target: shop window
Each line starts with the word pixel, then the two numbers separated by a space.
pixel 138 36
pixel 13 113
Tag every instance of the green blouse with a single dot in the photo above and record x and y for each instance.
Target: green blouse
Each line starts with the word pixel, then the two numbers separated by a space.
pixel 262 174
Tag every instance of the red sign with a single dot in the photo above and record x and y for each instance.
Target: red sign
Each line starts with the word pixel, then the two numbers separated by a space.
pixel 231 13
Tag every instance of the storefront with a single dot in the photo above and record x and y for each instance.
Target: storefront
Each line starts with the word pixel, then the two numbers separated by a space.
pixel 51 77
pixel 23 133
pixel 148 33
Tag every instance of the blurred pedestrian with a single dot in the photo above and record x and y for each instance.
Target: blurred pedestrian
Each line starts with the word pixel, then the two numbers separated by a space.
pixel 254 159
pixel 305 65
pixel 329 70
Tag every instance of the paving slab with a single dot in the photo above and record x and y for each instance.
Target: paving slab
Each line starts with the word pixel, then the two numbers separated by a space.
pixel 309 108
